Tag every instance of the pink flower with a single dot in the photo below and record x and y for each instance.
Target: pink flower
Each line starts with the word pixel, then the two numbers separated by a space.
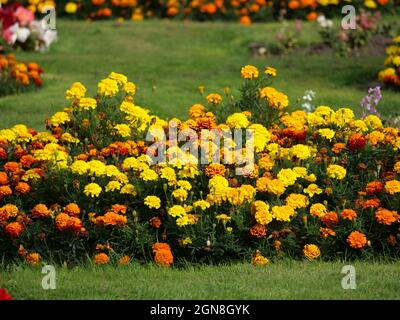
pixel 24 16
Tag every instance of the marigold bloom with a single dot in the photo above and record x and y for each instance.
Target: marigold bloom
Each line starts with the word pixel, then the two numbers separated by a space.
pixel 326 232
pixel 214 98
pixel 162 254
pixel 23 187
pixel 258 230
pixel 40 211
pixel 392 186
pixel 249 72
pixel 14 229
pixel 386 217
pixel 5 191
pixel 72 209
pixel 101 258
pixel 259 260
pixel 33 258
pixel 374 188
pixel 214 169
pixel 330 219
pixel 155 222
pixel 123 261
pixel 336 172
pixel 92 190
pixel 152 202
pixel 349 214
pixel 356 141
pixel 311 252
pixel 3 178
pixel 357 240
pixel 318 210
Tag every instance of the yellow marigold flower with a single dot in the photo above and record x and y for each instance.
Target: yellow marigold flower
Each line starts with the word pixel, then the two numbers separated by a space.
pixel 187 219
pixel 297 201
pixel 96 168
pixel 392 186
pixel 370 4
pixel 130 88
pixel 168 173
pixel 311 177
pixel 149 175
pixel 327 133
pixel 301 151
pixel 59 118
pixel 237 121
pixel 7 135
pixel 92 190
pixel 311 252
pixel 282 213
pixel 343 116
pixel 214 98
pixel 184 184
pixel 113 186
pixel 287 176
pixel 108 87
pixel 263 216
pixel 301 172
pixel 180 194
pixel 223 217
pixel 153 202
pixel 176 211
pixel 67 137
pixel 373 121
pixel 80 167
pixel 276 100
pixel 76 91
pixel 318 210
pixel 123 130
pixel 359 125
pixel 186 241
pixel 259 260
pixel 202 204
pixel 128 189
pixel 120 78
pixel 87 104
pixel 261 136
pixel 335 171
pixel 249 72
pixel 312 190
pixel 276 186
pixel 269 71
pixel 396 167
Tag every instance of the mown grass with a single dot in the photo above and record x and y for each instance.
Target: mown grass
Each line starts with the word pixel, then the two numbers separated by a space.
pixel 169 60
pixel 281 280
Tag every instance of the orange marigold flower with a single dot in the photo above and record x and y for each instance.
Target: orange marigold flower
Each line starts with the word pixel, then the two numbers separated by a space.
pixel 72 209
pixel 27 161
pixel 33 258
pixel 3 178
pixel 111 219
pixel 214 169
pixel 258 230
pixel 124 260
pixel 386 217
pixel 259 260
pixel 349 214
pixel 357 240
pixel 5 191
pixel 40 211
pixel 14 229
pixel 330 218
pixel 119 208
pixel 337 147
pixel 8 211
pixel 11 167
pixel 326 232
pixel 374 187
pixel 23 187
pixel 370 203
pixel 162 254
pixel 311 251
pixel 101 258
pixel 155 222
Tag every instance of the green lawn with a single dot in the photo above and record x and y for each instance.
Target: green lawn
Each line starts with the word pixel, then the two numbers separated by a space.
pixel 169 60
pixel 281 280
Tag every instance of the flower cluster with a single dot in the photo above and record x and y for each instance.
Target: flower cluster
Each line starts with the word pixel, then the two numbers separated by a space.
pixel 19 28
pixel 323 184
pixel 391 75
pixel 244 11
pixel 16 76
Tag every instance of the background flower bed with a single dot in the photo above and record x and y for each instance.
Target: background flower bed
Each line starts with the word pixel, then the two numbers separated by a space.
pixel 244 11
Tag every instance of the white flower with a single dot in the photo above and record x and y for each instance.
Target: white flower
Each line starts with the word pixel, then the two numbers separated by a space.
pixel 323 22
pixel 23 34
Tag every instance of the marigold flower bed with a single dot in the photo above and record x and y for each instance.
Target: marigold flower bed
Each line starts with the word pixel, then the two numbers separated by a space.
pixel 323 185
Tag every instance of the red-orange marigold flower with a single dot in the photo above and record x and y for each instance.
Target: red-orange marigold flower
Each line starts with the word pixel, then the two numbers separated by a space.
pixel 23 187
pixel 11 167
pixel 33 258
pixel 5 191
pixel 258 231
pixel 155 222
pixel 374 187
pixel 14 229
pixel 356 141
pixel 214 169
pixel 330 218
pixel 3 178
